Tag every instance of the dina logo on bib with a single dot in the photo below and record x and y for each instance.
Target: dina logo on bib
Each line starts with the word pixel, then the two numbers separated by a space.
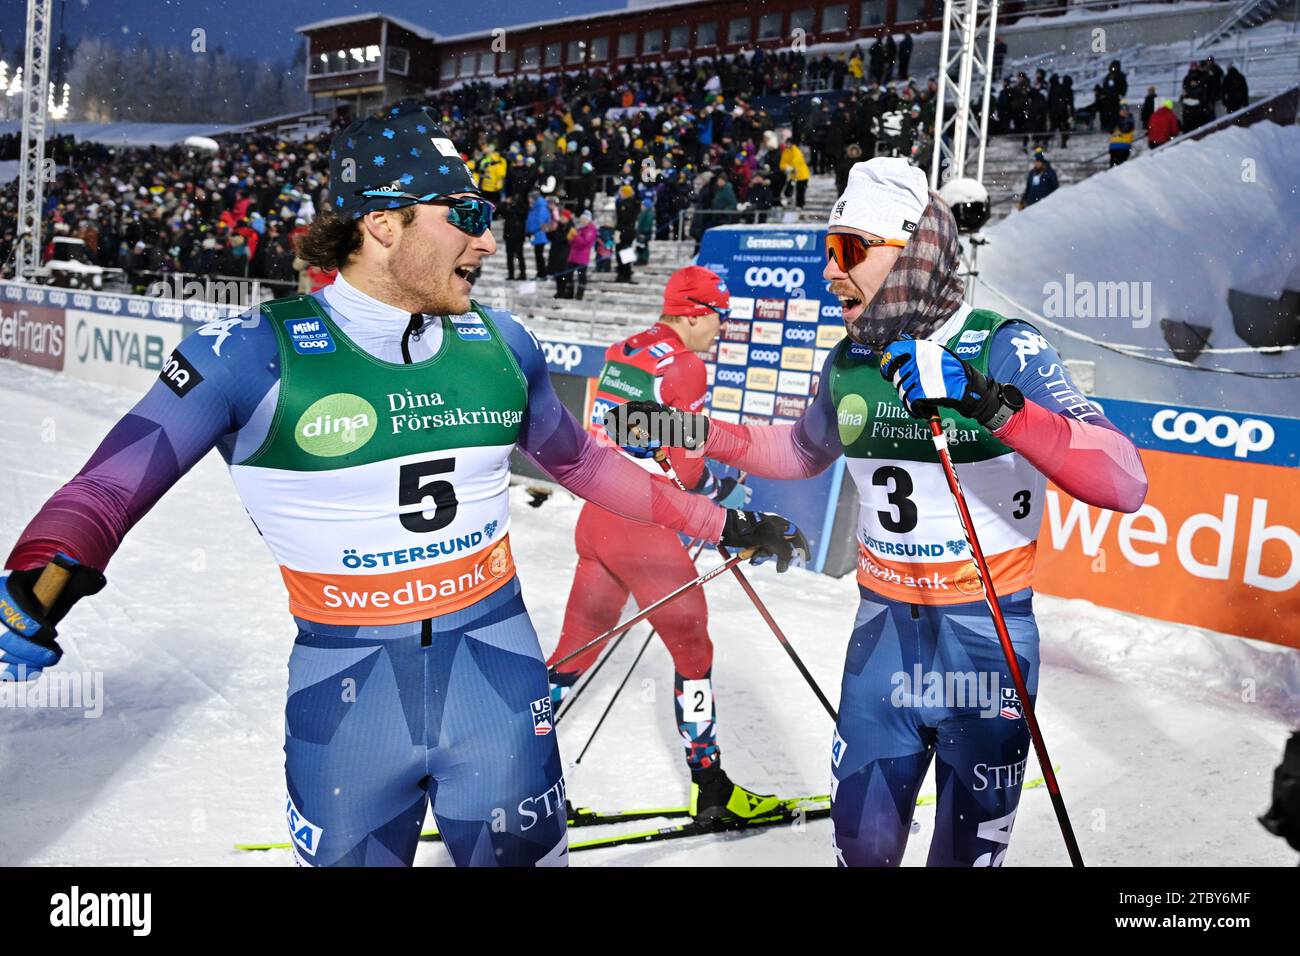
pixel 336 425
pixel 852 418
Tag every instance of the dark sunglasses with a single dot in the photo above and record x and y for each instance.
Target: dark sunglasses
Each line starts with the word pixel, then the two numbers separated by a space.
pixel 723 314
pixel 469 215
pixel 850 250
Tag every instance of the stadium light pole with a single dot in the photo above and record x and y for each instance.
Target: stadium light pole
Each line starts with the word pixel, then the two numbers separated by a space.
pixel 965 18
pixel 31 163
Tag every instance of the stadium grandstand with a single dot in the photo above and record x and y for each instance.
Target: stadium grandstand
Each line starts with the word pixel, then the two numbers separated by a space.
pixel 659 120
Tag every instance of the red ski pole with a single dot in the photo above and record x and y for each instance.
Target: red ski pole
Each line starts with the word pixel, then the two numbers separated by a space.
pixel 1004 637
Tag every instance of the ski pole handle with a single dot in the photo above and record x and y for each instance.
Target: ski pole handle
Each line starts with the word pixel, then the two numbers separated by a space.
pixel 50 585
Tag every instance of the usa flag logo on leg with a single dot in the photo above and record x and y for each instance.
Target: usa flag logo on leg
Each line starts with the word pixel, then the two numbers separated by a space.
pixel 542 723
pixel 1010 704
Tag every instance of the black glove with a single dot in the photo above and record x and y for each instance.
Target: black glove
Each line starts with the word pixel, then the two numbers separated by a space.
pixel 769 535
pixel 644 428
pixel 28 633
pixel 1283 817
pixel 957 384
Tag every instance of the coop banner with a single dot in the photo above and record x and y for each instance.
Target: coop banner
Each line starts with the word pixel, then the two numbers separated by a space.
pixel 765 366
pixel 1217 542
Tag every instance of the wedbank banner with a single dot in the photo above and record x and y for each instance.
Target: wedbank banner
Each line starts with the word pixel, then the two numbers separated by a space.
pixel 1217 543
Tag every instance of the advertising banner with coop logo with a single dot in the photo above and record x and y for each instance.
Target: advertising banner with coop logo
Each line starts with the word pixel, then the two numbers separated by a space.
pixel 1217 542
pixel 767 365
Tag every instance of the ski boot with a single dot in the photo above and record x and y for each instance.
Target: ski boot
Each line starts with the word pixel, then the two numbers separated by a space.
pixel 715 799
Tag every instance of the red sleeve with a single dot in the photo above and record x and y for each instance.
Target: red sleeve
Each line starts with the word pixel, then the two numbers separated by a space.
pixel 1095 463
pixel 684 384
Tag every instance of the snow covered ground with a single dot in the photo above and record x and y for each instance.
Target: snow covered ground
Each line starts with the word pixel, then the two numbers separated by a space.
pixel 1162 761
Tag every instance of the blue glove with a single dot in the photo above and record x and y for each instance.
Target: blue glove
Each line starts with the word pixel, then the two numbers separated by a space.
pixel 731 493
pixel 928 377
pixel 27 637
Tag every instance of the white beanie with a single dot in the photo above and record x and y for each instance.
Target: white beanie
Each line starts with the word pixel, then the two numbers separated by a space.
pixel 885 196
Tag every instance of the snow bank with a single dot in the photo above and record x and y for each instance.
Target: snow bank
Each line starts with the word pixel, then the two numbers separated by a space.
pixel 1179 226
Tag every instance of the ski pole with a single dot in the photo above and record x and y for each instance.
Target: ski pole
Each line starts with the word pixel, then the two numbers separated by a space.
pixel 591 675
pixel 1004 637
pixel 618 690
pixel 645 612
pixel 748 588
pixel 780 635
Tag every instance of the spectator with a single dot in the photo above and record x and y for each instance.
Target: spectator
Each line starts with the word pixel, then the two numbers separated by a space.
pixel 1121 136
pixel 645 230
pixel 1148 107
pixel 1236 94
pixel 1037 113
pixel 580 245
pixel 1061 106
pixel 795 167
pixel 1198 108
pixel 876 57
pixel 626 210
pixel 558 263
pixel 1041 181
pixel 1213 81
pixel 515 217
pixel 536 228
pixel 759 198
pixel 522 178
pixel 605 248
pixel 1000 121
pixel 724 198
pixel 852 155
pixel 1164 125
pixel 1114 87
pixel 905 56
pixel 492 174
pixel 855 68
pixel 999 56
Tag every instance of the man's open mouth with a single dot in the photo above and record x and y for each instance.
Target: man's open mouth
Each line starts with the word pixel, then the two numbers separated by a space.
pixel 469 273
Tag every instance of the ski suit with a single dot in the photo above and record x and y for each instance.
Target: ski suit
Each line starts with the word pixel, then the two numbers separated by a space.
pixel 376 466
pixel 618 556
pixel 924 677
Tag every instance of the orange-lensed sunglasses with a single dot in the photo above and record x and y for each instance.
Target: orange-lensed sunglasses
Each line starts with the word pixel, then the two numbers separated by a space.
pixel 850 250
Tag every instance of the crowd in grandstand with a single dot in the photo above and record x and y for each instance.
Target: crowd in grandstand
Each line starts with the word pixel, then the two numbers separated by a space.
pixel 583 165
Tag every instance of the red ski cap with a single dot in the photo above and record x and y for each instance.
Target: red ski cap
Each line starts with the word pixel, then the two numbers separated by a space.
pixel 691 286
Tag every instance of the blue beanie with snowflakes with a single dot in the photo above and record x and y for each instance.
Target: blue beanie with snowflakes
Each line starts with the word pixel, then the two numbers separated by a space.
pixel 401 156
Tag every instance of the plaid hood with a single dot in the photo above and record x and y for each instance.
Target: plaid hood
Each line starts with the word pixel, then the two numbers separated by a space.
pixel 922 290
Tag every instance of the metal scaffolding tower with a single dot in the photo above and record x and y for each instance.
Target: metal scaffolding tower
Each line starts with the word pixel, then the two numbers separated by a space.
pixel 31 165
pixel 958 135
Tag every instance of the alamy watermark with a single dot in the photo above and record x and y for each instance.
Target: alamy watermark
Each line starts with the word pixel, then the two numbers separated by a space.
pixel 977 690
pixel 1084 299
pixel 54 689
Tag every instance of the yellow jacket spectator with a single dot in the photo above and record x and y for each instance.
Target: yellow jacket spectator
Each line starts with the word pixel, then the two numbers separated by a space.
pixel 793 163
pixel 492 175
